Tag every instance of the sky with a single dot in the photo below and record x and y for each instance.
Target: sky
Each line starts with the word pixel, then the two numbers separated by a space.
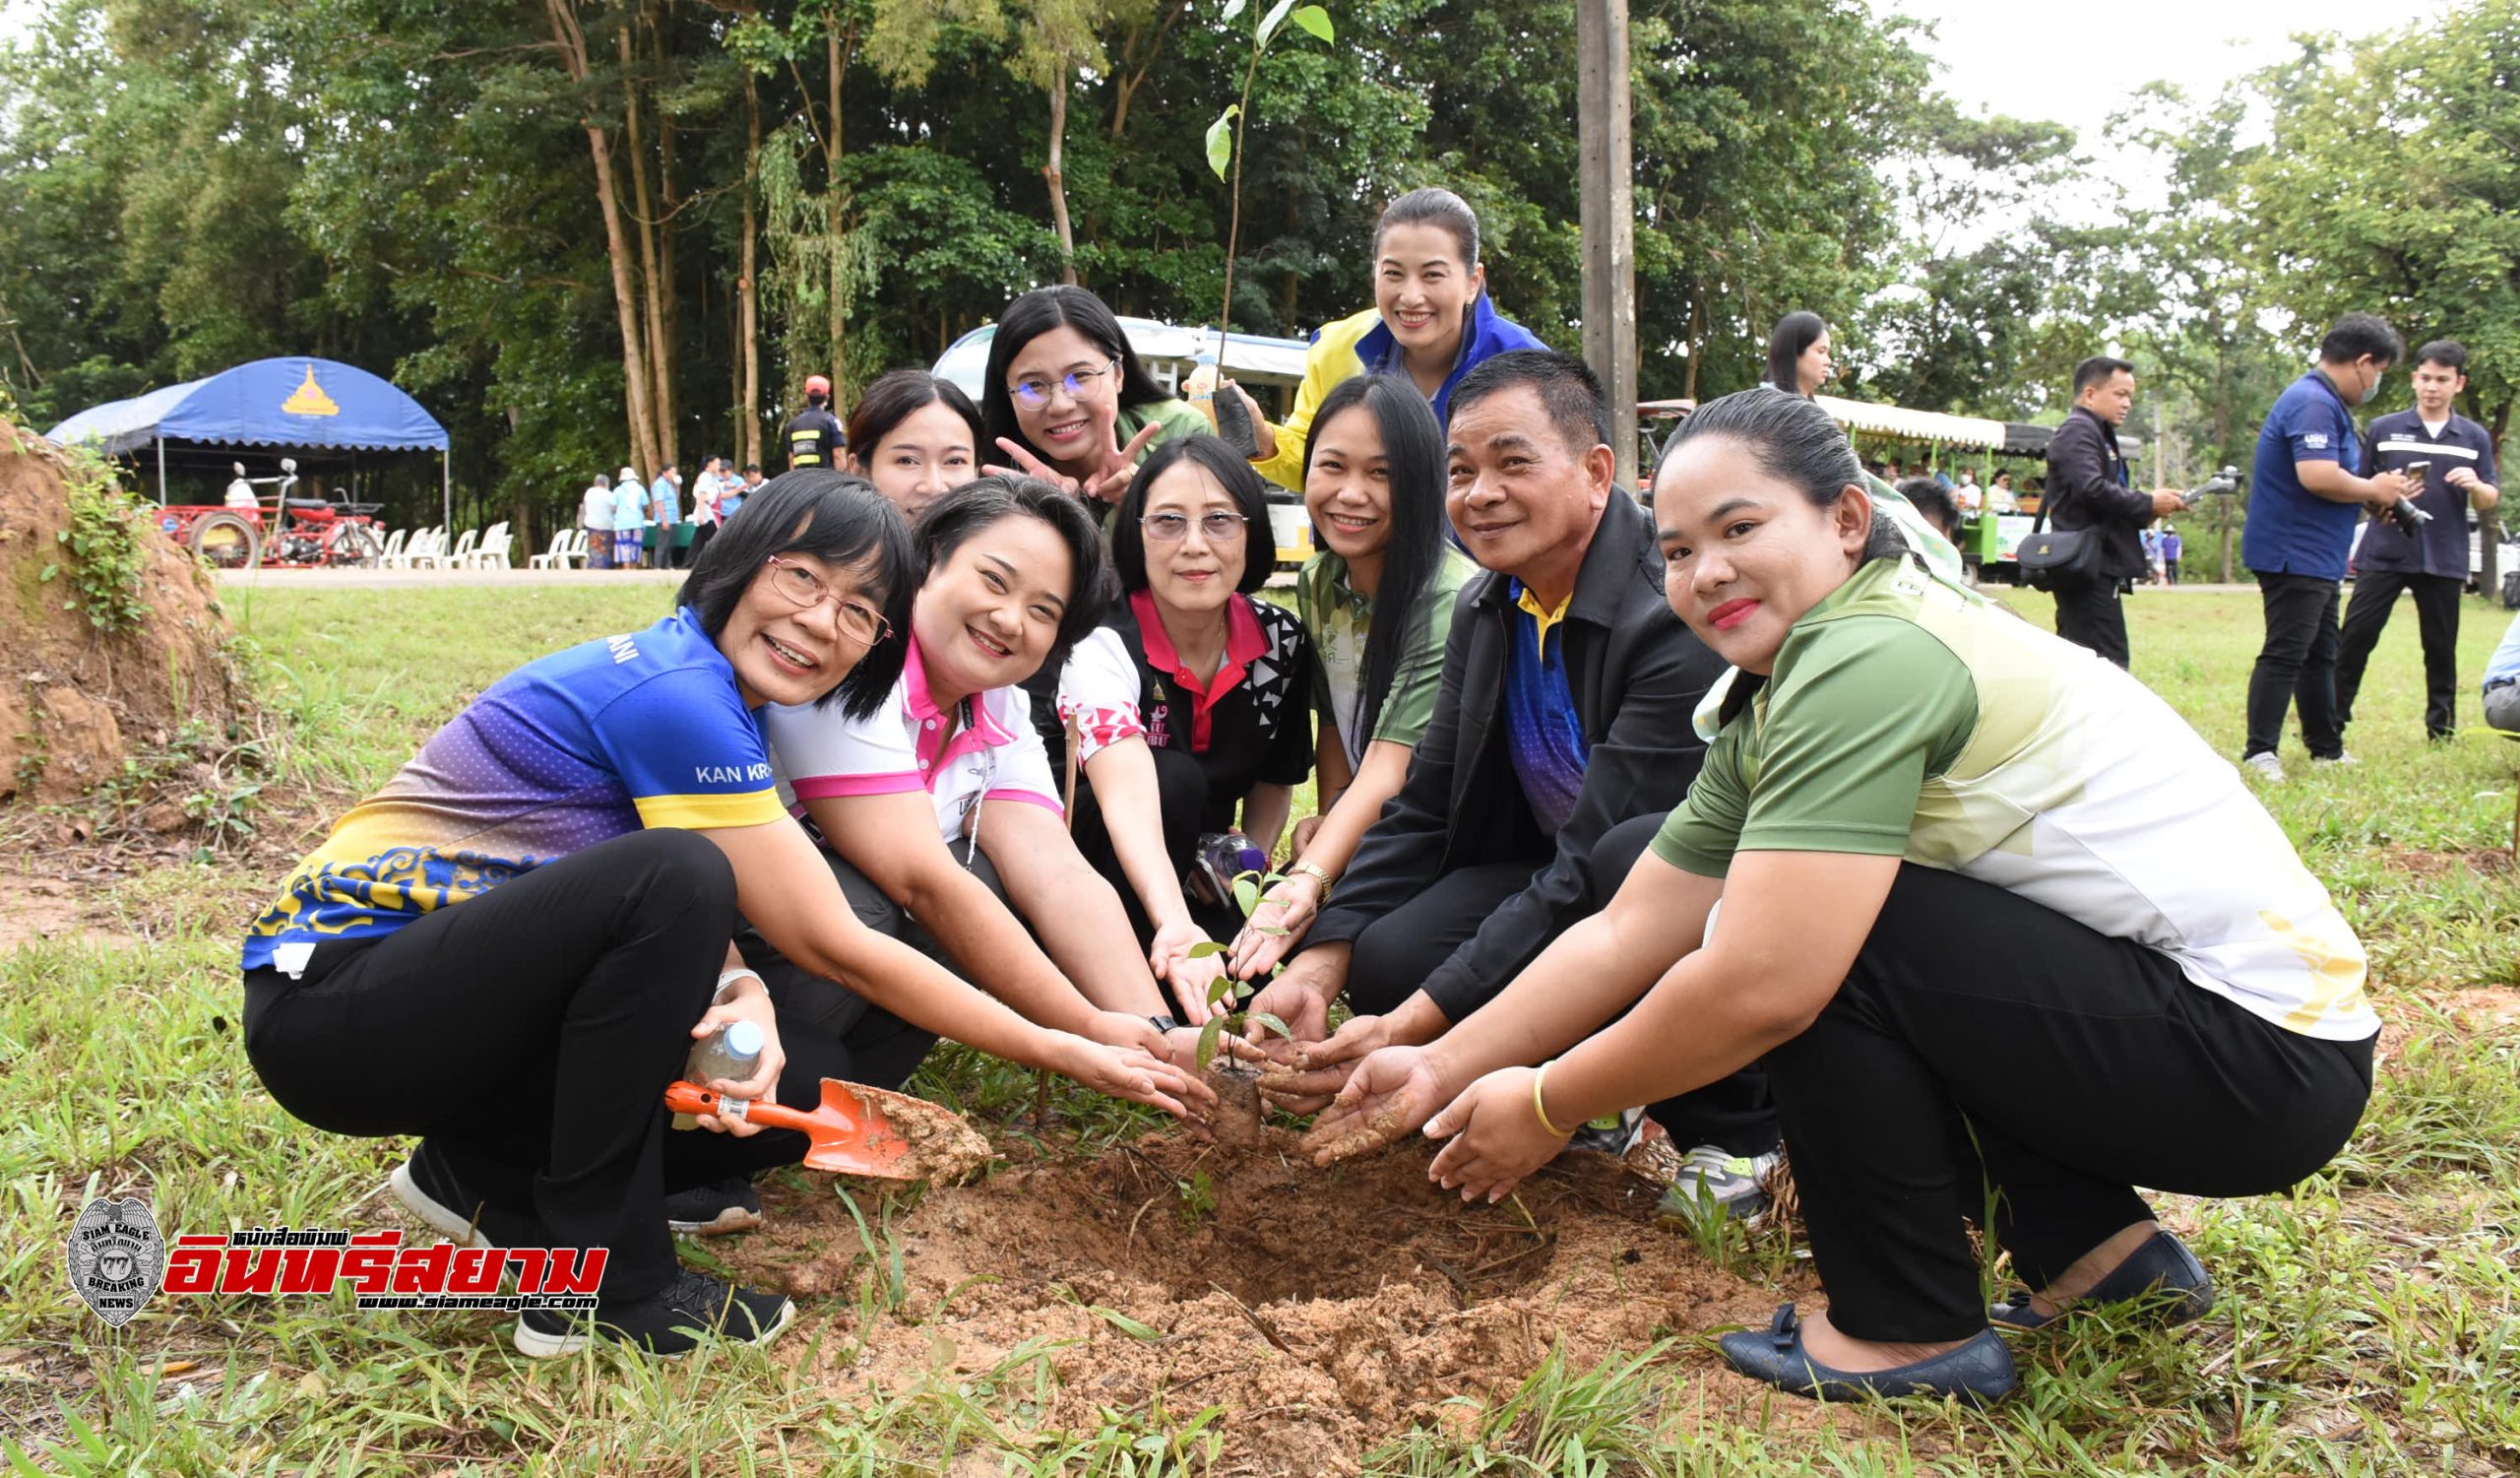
pixel 2076 65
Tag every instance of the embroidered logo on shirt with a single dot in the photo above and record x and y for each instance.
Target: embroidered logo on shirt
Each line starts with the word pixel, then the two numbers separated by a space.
pixel 2315 440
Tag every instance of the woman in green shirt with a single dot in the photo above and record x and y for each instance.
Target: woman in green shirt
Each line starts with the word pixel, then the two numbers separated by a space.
pixel 2002 928
pixel 1065 398
pixel 1373 484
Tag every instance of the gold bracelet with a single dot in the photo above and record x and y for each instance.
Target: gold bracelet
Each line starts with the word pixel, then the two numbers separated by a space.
pixel 1540 1112
pixel 1316 872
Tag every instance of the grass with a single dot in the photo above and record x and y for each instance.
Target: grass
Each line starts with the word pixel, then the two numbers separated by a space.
pixel 2371 1320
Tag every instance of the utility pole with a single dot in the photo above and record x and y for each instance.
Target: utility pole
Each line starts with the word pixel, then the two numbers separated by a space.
pixel 1608 219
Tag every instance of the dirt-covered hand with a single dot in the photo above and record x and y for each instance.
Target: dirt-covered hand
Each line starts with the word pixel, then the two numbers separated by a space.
pixel 1497 1136
pixel 1391 1092
pixel 1297 1003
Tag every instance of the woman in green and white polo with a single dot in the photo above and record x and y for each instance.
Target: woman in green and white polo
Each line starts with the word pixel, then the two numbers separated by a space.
pixel 2002 927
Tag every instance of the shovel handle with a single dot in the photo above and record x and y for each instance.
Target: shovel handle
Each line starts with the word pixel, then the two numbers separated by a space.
pixel 691 1098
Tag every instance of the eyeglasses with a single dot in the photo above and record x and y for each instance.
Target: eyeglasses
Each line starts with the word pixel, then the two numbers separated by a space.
pixel 803 589
pixel 1035 392
pixel 1215 525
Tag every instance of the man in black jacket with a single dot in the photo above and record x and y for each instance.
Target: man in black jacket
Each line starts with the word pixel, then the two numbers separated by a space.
pixel 2087 491
pixel 1561 734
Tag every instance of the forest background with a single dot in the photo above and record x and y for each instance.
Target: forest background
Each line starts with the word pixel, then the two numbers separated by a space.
pixel 587 234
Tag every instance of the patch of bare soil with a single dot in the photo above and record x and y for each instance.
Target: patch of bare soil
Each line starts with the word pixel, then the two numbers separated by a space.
pixel 2425 863
pixel 1327 1310
pixel 74 703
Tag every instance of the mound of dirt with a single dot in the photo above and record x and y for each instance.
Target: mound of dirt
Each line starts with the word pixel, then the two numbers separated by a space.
pixel 75 703
pixel 1327 1310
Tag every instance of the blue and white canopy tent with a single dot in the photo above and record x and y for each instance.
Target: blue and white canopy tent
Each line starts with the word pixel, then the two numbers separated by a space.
pixel 295 403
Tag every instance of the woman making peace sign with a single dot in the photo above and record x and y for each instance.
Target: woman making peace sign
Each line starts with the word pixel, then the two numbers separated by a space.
pixel 1065 398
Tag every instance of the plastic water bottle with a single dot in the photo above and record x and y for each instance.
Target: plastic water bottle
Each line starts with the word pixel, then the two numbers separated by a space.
pixel 1223 855
pixel 732 1052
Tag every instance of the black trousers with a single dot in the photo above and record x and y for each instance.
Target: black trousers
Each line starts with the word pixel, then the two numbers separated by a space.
pixel 2094 616
pixel 2436 621
pixel 1400 949
pixel 1986 1048
pixel 2297 661
pixel 529 1033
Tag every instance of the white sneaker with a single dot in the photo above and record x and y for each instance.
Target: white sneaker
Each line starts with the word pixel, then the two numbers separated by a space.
pixel 2269 768
pixel 2340 757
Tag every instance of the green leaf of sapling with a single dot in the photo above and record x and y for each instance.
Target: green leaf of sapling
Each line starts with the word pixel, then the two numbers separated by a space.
pixel 1314 19
pixel 1221 139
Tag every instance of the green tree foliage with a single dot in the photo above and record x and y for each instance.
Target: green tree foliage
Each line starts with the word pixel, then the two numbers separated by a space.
pixel 409 185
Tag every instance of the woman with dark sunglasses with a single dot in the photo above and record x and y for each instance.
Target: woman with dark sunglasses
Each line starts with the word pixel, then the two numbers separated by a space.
pixel 1064 397
pixel 1190 706
pixel 509 950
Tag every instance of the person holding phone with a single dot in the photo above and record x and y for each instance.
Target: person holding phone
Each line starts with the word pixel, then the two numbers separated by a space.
pixel 2448 463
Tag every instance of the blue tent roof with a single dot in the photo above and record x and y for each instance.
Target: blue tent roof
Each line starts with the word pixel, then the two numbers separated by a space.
pixel 295 402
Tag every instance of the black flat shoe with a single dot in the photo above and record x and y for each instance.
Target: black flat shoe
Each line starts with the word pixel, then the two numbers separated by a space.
pixel 1979 1372
pixel 2160 1269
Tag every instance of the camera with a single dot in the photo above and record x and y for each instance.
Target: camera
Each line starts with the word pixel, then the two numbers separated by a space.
pixel 2410 519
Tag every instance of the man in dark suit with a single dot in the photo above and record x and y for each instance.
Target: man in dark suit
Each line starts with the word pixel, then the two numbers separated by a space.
pixel 2087 491
pixel 1561 734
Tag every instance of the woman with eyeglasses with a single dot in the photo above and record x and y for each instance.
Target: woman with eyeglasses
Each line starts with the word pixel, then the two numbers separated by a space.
pixel 1191 703
pixel 1431 321
pixel 509 950
pixel 1064 397
pixel 1377 602
pixel 916 438
pixel 938 811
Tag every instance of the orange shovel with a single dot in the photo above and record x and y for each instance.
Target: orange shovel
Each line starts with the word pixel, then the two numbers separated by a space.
pixel 858 1130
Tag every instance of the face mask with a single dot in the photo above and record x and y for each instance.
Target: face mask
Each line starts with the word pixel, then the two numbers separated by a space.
pixel 2370 391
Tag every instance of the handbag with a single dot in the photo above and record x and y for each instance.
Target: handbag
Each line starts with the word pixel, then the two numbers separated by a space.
pixel 2056 560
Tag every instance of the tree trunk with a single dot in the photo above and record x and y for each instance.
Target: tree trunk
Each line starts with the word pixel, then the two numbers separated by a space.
pixel 747 291
pixel 2489 519
pixel 1697 342
pixel 658 353
pixel 832 209
pixel 1057 178
pixel 569 41
pixel 668 321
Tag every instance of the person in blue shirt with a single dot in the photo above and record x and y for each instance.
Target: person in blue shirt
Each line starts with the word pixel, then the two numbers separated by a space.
pixel 509 950
pixel 665 511
pixel 2451 459
pixel 2307 492
pixel 629 519
pixel 2503 682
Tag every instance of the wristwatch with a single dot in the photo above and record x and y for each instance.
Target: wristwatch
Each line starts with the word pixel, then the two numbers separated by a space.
pixel 1316 872
pixel 1164 1023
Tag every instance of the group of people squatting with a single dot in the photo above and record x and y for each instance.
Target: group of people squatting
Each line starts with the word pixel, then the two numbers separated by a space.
pixel 1744 814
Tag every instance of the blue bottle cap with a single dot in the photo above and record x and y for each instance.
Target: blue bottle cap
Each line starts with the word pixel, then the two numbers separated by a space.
pixel 744 1039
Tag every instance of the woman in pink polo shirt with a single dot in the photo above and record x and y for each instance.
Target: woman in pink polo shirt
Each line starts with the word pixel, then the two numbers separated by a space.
pixel 939 812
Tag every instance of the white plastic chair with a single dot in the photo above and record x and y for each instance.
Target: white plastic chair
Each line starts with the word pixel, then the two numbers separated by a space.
pixel 426 551
pixel 556 555
pixel 577 553
pixel 461 554
pixel 493 551
pixel 393 547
